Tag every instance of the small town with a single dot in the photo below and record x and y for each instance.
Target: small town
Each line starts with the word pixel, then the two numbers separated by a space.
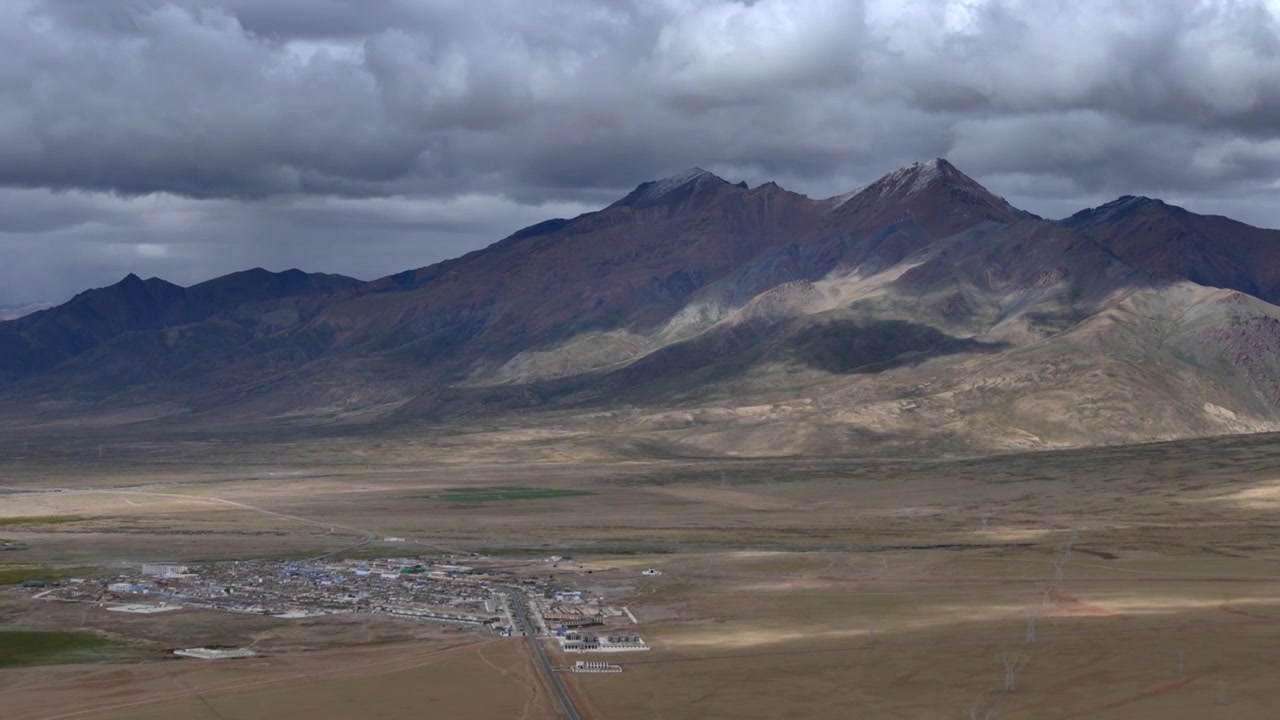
pixel 491 600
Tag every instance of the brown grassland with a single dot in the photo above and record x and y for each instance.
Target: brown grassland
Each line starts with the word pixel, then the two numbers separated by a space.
pixel 791 588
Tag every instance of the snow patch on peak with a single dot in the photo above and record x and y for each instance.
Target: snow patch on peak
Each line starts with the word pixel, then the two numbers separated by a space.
pixel 911 179
pixel 838 200
pixel 903 183
pixel 680 178
pixel 693 176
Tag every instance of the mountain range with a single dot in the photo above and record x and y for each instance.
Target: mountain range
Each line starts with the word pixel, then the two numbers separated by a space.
pixel 919 311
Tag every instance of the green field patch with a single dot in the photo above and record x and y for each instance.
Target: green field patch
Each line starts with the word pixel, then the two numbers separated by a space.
pixel 29 520
pixel 21 648
pixel 513 492
pixel 15 574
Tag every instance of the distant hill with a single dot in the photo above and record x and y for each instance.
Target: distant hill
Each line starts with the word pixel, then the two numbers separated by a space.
pixel 42 340
pixel 919 311
pixel 13 312
pixel 1205 249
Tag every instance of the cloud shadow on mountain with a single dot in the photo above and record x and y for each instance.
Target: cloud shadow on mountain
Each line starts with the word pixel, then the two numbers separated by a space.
pixel 846 347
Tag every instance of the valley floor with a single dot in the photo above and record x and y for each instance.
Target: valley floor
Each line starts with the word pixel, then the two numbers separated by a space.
pixel 1127 582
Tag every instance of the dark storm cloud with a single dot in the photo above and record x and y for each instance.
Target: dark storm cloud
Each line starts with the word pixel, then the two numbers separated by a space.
pixel 1210 65
pixel 370 136
pixel 34 213
pixel 255 98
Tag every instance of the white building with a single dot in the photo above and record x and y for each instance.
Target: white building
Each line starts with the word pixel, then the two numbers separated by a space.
pixel 216 653
pixel 593 666
pixel 164 570
pixel 584 642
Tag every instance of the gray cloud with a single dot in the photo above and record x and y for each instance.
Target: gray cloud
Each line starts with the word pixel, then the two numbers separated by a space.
pixel 186 240
pixel 191 137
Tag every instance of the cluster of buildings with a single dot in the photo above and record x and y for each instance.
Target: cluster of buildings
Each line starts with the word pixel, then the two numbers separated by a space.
pixel 575 641
pixel 566 609
pixel 413 588
pixel 405 589
pixel 570 616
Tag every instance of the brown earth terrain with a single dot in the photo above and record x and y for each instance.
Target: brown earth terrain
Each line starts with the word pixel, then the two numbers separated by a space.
pixel 792 587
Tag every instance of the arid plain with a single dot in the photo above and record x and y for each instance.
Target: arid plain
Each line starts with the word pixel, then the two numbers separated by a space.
pixel 793 587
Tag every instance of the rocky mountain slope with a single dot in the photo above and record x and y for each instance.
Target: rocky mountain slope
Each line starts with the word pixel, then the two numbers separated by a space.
pixel 921 309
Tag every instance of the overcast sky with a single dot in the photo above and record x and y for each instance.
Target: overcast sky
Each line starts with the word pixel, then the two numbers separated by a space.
pixel 190 138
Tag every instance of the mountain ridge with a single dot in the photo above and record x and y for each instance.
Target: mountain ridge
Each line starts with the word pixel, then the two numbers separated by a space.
pixel 42 340
pixel 921 308
pixel 1207 249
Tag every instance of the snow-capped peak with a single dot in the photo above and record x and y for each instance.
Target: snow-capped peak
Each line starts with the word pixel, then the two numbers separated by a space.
pixel 907 182
pixel 695 176
pixel 903 183
pixel 683 184
pixel 911 179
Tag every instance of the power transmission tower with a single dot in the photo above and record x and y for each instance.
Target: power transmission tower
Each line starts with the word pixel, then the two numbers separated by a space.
pixel 1013 662
pixel 1059 566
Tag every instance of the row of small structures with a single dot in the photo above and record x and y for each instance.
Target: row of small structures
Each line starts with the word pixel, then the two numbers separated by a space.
pixel 595 666
pixel 573 641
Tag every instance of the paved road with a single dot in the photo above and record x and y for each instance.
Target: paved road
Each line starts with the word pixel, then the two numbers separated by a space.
pixel 522 619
